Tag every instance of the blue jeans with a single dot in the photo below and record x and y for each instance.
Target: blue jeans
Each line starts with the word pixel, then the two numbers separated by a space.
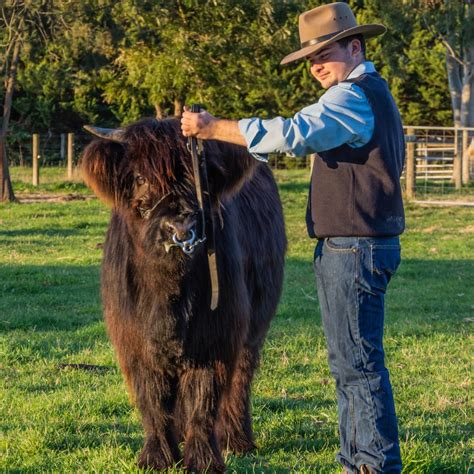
pixel 352 274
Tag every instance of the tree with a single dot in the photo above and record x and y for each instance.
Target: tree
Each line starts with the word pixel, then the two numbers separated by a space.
pixel 14 26
pixel 451 22
pixel 114 62
pixel 52 52
pixel 23 24
pixel 224 54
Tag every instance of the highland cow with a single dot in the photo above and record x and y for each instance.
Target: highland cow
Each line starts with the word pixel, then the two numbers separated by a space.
pixel 188 368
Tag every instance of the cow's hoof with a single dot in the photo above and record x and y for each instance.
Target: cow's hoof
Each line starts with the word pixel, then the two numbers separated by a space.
pixel 152 457
pixel 236 445
pixel 203 456
pixel 145 461
pixel 242 448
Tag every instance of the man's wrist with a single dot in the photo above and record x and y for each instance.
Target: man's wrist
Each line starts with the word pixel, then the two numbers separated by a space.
pixel 228 131
pixel 212 129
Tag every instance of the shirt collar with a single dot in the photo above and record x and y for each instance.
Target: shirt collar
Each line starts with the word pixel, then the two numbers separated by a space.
pixel 363 68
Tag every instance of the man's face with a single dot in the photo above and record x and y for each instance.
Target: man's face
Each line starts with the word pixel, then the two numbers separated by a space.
pixel 333 64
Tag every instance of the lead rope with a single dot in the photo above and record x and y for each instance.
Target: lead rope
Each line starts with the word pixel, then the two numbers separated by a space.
pixel 200 179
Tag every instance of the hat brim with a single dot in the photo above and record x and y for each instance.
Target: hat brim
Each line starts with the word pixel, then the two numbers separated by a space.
pixel 368 31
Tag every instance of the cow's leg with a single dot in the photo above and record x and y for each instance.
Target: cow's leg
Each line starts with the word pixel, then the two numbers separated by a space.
pixel 154 395
pixel 234 427
pixel 200 390
pixel 152 390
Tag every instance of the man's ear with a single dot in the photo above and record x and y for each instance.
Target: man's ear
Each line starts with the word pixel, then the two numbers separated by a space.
pixel 100 163
pixel 356 47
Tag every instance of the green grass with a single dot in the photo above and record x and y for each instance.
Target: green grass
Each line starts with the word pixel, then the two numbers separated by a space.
pixel 51 180
pixel 64 420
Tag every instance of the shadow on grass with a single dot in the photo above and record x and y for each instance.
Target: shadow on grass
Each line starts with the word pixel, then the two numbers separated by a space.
pixel 66 297
pixel 73 229
pixel 54 312
pixel 424 297
pixel 49 298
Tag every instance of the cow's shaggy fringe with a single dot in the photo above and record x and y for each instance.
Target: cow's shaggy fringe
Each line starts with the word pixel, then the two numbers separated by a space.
pixel 188 369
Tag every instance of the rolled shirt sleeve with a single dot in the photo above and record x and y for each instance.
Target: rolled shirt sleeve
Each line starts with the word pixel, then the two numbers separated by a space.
pixel 342 115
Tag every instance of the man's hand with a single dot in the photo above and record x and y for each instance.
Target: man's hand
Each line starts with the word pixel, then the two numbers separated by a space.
pixel 205 126
pixel 199 125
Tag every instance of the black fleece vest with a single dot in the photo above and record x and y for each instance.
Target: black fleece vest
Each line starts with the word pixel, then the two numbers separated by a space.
pixel 355 192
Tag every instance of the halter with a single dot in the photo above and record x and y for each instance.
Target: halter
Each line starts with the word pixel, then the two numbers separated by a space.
pixel 196 149
pixel 188 246
pixel 145 213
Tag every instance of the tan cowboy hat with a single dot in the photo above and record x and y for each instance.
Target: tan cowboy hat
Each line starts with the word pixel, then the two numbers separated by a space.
pixel 326 24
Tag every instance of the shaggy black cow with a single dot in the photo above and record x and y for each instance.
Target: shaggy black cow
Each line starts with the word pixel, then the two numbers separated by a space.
pixel 188 368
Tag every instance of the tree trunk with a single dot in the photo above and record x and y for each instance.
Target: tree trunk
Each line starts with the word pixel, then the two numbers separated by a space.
pixel 467 96
pixel 178 107
pixel 9 87
pixel 466 102
pixel 467 111
pixel 158 111
pixel 455 87
pixel 6 189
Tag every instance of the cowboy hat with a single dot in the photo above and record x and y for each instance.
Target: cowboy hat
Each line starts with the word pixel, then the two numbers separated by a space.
pixel 327 24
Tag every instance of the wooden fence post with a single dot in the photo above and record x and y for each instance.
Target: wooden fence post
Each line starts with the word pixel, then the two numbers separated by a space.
pixel 410 167
pixel 457 164
pixel 35 159
pixel 70 154
pixel 465 157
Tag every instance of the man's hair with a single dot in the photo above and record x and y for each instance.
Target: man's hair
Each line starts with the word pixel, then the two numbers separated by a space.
pixel 345 41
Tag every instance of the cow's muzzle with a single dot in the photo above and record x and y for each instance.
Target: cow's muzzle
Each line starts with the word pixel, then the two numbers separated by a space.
pixel 184 232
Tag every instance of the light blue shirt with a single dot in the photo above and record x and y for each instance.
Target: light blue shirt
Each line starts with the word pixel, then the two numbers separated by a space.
pixel 342 115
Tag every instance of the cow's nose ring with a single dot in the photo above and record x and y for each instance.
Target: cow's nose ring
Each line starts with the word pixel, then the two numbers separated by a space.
pixel 187 246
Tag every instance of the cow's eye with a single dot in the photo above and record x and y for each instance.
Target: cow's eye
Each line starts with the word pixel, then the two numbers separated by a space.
pixel 140 180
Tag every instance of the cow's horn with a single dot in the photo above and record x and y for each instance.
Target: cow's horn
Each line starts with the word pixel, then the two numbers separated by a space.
pixel 114 134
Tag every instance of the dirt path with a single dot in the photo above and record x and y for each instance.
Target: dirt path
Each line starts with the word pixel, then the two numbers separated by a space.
pixel 28 198
pixel 445 203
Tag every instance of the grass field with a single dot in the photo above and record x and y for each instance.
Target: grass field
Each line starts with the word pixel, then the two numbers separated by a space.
pixel 66 420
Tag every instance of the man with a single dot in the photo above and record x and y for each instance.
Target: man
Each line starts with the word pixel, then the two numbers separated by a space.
pixel 355 211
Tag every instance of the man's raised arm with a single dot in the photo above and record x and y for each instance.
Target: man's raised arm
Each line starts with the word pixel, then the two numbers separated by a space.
pixel 205 126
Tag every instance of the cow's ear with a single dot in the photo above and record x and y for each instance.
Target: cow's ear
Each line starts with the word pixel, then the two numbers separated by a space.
pixel 100 163
pixel 228 168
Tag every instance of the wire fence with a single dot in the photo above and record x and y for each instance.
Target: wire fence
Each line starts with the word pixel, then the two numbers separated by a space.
pixel 440 160
pixel 52 149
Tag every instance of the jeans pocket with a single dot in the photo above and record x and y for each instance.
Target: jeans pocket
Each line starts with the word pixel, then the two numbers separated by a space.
pixel 385 261
pixel 341 244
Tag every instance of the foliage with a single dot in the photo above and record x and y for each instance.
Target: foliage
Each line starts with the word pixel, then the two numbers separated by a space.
pixel 411 59
pixel 58 80
pixel 113 62
pixel 221 54
pixel 451 24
